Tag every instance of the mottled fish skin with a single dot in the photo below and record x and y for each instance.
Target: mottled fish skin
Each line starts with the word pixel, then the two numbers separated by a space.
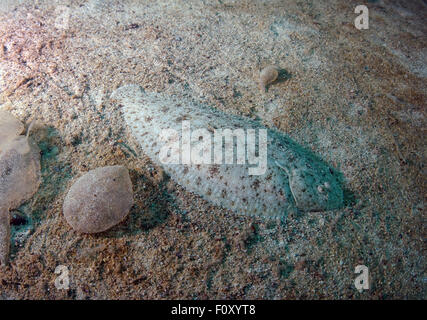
pixel 294 179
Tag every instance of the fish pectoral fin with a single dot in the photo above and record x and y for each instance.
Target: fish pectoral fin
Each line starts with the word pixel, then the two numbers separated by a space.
pixel 289 181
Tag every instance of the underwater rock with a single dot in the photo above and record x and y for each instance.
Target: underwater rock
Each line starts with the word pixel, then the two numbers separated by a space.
pixel 99 200
pixel 284 177
pixel 10 127
pixel 19 170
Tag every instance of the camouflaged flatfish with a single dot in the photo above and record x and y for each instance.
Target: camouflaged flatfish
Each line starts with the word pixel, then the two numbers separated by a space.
pixel 294 178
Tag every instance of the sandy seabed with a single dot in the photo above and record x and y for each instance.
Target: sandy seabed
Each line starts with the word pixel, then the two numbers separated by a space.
pixel 354 97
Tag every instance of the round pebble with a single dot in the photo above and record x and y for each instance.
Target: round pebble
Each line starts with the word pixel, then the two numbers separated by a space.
pixel 268 75
pixel 99 200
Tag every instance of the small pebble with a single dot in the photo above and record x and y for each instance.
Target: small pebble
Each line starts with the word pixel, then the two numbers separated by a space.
pixel 268 75
pixel 99 200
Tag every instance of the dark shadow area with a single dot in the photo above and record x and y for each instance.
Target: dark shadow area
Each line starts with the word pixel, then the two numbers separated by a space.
pixel 54 174
pixel 349 198
pixel 151 207
pixel 284 75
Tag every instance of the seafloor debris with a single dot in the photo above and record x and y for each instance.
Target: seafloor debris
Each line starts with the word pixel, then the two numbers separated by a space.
pixel 291 178
pixel 99 200
pixel 19 173
pixel 4 235
pixel 268 75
